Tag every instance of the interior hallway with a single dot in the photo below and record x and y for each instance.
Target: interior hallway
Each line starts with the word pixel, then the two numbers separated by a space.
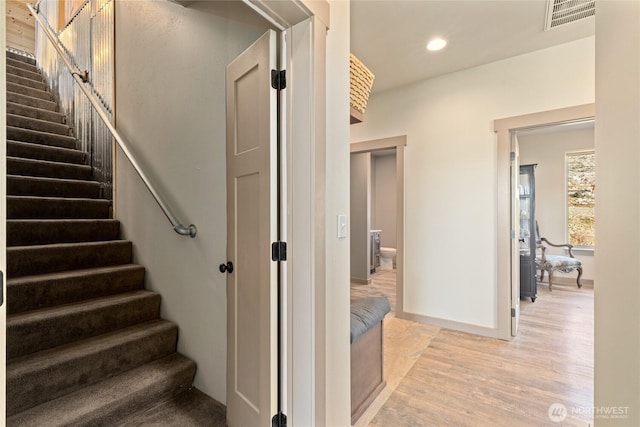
pixel 442 377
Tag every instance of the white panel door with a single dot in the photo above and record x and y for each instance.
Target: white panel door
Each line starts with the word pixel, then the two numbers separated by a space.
pixel 251 228
pixel 515 235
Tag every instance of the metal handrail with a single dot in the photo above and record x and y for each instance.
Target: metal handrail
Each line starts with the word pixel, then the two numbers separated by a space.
pixel 81 78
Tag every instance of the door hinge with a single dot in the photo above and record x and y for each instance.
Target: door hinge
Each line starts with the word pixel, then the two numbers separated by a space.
pixel 513 312
pixel 278 79
pixel 1 289
pixel 513 156
pixel 513 234
pixel 279 251
pixel 279 420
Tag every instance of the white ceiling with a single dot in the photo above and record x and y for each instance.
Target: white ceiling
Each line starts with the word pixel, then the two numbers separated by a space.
pixel 389 36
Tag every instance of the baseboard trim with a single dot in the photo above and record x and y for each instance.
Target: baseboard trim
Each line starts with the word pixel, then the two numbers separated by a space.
pixel 361 281
pixel 567 281
pixel 450 324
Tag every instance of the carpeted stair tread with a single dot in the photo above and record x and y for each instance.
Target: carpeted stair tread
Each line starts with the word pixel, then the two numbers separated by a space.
pixel 44 168
pixel 35 113
pixel 22 58
pixel 38 330
pixel 39 137
pixel 52 187
pixel 43 259
pixel 192 408
pixel 48 290
pixel 25 122
pixel 17 63
pixel 109 401
pixel 85 343
pixel 27 150
pixel 25 81
pixel 29 91
pixel 30 101
pixel 16 71
pixel 49 374
pixel 25 232
pixel 29 207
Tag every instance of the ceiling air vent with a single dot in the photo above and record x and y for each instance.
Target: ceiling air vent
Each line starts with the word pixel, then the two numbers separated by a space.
pixel 560 12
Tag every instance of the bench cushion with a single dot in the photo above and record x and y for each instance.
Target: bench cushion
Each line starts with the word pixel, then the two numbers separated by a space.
pixel 366 313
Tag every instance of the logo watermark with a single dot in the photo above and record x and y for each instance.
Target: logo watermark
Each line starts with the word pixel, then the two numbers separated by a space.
pixel 559 412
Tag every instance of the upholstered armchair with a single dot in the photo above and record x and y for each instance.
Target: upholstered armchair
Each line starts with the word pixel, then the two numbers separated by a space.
pixel 551 263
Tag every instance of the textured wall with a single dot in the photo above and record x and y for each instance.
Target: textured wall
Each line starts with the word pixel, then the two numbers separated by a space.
pixel 170 104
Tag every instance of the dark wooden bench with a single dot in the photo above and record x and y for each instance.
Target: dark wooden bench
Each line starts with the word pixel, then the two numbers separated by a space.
pixel 367 376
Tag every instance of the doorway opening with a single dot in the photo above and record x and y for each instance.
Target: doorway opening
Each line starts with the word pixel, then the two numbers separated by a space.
pixel 379 195
pixel 508 244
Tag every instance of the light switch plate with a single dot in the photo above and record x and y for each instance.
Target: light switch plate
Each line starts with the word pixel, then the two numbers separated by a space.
pixel 342 226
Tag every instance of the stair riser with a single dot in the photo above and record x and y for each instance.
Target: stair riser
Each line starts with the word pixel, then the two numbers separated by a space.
pixel 21 58
pixel 35 113
pixel 28 91
pixel 31 101
pixel 42 138
pixel 117 397
pixel 24 81
pixel 39 125
pixel 28 167
pixel 33 232
pixel 26 260
pixel 22 65
pixel 24 73
pixel 27 186
pixel 36 387
pixel 43 332
pixel 28 150
pixel 41 291
pixel 34 208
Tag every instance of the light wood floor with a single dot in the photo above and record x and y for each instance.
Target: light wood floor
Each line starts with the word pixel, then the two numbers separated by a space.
pixel 447 378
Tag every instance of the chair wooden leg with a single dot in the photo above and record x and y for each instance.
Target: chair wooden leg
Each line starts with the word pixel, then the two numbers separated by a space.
pixel 541 275
pixel 550 280
pixel 579 275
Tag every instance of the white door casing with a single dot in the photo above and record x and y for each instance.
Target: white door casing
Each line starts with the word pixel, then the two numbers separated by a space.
pixel 515 235
pixel 503 129
pixel 251 227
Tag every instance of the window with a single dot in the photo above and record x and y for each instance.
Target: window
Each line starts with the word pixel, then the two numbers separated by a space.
pixel 581 186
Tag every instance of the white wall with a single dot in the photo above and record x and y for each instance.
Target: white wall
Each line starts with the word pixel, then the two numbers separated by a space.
pixel 360 223
pixel 617 294
pixel 547 150
pixel 337 391
pixel 170 92
pixel 383 196
pixel 451 169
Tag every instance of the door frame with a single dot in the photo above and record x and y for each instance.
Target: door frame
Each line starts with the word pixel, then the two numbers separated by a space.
pixel 503 129
pixel 515 233
pixel 304 347
pixel 398 143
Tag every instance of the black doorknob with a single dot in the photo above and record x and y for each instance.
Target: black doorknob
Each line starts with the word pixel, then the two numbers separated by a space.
pixel 226 268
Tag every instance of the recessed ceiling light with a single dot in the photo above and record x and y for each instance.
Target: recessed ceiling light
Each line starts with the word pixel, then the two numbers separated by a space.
pixel 436 44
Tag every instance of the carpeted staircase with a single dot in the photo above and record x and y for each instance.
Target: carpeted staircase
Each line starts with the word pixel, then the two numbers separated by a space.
pixel 85 343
